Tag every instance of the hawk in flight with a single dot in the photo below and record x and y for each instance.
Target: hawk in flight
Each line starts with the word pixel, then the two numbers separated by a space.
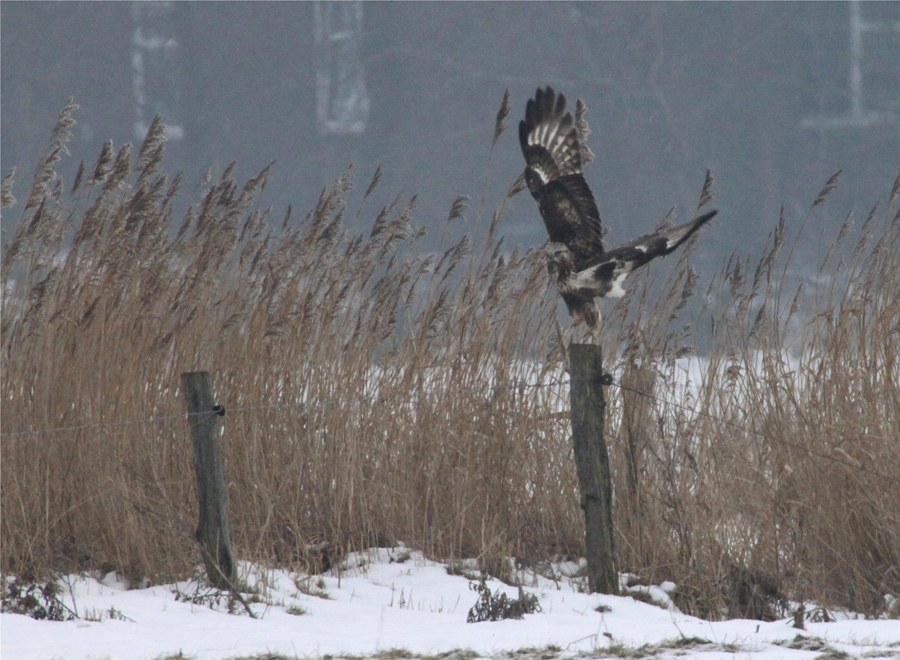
pixel 578 264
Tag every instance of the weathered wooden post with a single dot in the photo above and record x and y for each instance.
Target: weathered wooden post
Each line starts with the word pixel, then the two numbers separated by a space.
pixel 213 532
pixel 592 463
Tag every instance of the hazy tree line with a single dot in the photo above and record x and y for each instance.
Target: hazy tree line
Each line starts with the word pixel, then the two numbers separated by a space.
pixel 762 94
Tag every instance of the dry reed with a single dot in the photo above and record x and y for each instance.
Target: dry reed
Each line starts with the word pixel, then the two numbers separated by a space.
pixel 377 393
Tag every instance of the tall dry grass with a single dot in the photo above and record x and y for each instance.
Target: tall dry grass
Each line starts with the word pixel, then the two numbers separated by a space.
pixel 377 393
pixel 771 466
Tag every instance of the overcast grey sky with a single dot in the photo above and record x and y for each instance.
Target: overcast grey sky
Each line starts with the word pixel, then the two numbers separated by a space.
pixel 772 97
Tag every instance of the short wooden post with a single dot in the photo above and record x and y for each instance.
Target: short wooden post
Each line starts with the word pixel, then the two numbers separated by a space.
pixel 592 464
pixel 213 532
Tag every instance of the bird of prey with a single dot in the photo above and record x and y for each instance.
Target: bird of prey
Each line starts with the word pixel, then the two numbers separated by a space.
pixel 578 264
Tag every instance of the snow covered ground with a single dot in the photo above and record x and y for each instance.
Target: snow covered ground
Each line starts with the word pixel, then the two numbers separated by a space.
pixel 395 604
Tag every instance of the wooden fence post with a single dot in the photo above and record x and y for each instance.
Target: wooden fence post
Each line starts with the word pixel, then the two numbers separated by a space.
pixel 213 532
pixel 592 463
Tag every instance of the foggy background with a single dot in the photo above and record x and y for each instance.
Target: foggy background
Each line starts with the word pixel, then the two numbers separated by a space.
pixel 772 97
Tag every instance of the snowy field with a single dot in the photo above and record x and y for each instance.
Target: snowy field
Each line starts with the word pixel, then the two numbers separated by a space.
pixel 395 604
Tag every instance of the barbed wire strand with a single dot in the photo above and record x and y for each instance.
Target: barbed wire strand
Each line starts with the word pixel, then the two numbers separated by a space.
pixel 300 404
pixel 95 425
pixel 443 392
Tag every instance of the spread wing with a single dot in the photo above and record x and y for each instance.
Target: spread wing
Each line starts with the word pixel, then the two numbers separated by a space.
pixel 553 173
pixel 604 277
pixel 643 249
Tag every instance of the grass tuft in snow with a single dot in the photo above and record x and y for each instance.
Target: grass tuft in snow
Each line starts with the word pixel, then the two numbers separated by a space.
pixel 496 606
pixel 39 601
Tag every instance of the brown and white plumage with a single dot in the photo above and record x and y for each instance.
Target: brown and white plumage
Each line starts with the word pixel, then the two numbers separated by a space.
pixel 578 264
pixel 553 174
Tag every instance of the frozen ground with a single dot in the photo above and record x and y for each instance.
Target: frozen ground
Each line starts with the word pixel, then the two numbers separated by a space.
pixel 395 604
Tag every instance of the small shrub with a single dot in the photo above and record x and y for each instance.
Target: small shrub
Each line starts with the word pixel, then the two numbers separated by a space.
pixel 218 599
pixel 496 607
pixel 38 602
pixel 211 598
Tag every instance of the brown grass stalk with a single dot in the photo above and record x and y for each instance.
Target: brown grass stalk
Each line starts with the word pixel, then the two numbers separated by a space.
pixel 375 394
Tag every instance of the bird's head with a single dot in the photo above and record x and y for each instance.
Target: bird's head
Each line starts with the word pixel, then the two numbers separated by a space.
pixel 560 263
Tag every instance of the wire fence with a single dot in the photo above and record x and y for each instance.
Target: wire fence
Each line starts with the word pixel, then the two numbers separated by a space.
pixel 409 396
pixel 370 399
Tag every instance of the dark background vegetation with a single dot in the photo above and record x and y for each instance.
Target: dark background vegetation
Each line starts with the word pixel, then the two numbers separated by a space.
pixel 673 89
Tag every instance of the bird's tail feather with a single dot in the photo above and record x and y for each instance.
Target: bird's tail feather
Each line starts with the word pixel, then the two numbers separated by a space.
pixel 678 235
